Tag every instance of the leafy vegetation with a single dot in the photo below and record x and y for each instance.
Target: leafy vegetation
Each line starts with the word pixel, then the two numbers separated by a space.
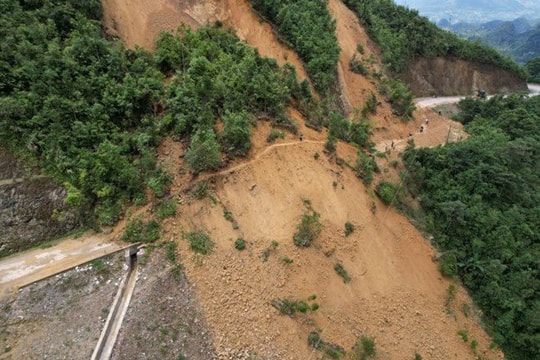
pixel 138 230
pixel 403 35
pixel 308 27
pixel 386 191
pixel 92 113
pixel 364 348
pixel 349 228
pixel 331 350
pixel 308 230
pixel 166 208
pixel 481 199
pixel 290 307
pixel 340 270
pixel 533 70
pixel 200 242
pixel 240 244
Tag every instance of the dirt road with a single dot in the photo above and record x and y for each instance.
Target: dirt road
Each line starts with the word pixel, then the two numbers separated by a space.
pixel 24 268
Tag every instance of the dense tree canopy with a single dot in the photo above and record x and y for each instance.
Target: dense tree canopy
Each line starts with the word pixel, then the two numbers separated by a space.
pixel 403 34
pixel 92 112
pixel 309 28
pixel 482 200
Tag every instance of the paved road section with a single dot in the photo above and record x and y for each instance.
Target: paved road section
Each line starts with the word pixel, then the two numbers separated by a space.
pixel 534 90
pixel 25 268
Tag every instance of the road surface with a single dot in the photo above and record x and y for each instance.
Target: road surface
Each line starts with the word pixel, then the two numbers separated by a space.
pixel 435 101
pixel 25 268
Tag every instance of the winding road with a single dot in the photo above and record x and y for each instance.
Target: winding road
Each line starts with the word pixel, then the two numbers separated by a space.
pixel 534 90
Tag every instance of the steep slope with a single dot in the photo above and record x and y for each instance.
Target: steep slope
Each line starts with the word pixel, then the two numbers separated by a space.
pixel 396 294
pixel 139 23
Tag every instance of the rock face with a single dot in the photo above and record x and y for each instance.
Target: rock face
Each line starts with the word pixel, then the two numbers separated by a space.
pixel 32 208
pixel 450 76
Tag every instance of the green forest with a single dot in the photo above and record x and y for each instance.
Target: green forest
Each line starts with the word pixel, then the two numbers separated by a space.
pixel 403 34
pixel 481 199
pixel 91 113
pixel 307 26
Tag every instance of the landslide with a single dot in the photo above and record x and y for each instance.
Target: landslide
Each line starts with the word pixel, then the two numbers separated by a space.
pixel 396 294
pixel 450 76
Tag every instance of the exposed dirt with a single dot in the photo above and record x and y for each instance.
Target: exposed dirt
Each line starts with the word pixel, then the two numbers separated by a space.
pixel 139 22
pixel 396 294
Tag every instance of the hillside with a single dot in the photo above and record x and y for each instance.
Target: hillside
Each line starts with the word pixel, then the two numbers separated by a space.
pixel 260 181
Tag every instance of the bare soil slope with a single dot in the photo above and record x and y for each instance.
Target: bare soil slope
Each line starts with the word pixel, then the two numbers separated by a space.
pixel 139 22
pixel 396 294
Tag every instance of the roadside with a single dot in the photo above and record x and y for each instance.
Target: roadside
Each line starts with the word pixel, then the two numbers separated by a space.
pixel 25 268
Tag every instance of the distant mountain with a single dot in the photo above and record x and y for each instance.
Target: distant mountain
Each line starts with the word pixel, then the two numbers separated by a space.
pixel 518 38
pixel 474 10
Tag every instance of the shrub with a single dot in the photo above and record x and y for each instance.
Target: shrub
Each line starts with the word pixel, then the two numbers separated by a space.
pixel 342 272
pixel 365 166
pixel 364 348
pixel 236 136
pixel 203 153
pixel 330 144
pixel 240 244
pixel 170 251
pixel 274 135
pixel 200 190
pixel 200 242
pixel 349 228
pixel 464 335
pixel 448 264
pixel 450 294
pixel 137 230
pixel 315 341
pixel 227 214
pixel 357 66
pixel 159 182
pixel 308 230
pixel 386 192
pixel 166 209
pixel 370 106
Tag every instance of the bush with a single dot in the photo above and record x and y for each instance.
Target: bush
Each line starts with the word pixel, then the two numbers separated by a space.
pixel 166 209
pixel 290 307
pixel 364 348
pixel 200 242
pixel 170 251
pixel 464 335
pixel 236 136
pixel 240 244
pixel 203 153
pixel 342 272
pixel 448 264
pixel 370 106
pixel 137 230
pixel 349 228
pixel 357 66
pixel 387 192
pixel 308 230
pixel 274 135
pixel 365 166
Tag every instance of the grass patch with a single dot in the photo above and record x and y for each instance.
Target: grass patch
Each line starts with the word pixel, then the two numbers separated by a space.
pixel 332 351
pixel 200 190
pixel 200 242
pixel 166 208
pixel 170 251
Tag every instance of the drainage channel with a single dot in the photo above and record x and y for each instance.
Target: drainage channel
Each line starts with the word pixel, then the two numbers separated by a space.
pixel 107 340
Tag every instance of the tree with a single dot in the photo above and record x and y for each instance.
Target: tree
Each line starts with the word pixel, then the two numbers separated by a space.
pixel 203 153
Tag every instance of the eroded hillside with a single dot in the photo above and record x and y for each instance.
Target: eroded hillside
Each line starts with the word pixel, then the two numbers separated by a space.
pixel 396 294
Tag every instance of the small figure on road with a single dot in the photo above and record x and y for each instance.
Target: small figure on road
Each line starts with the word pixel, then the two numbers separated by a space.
pixel 301 137
pixel 422 128
pixel 393 145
